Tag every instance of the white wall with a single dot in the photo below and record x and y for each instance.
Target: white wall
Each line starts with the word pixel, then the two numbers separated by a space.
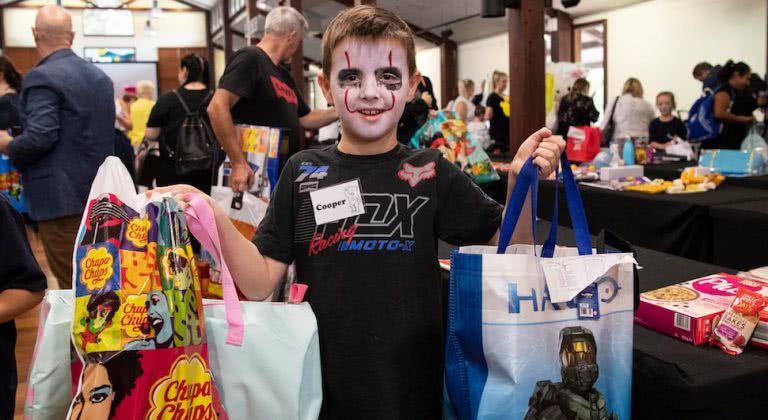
pixel 428 63
pixel 478 59
pixel 660 41
pixel 174 29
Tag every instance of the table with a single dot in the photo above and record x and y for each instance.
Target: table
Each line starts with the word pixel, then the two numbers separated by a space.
pixel 672 170
pixel 740 234
pixel 678 224
pixel 676 380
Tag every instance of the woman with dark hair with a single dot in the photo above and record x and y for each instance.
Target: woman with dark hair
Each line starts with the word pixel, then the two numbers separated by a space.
pixel 10 85
pixel 107 379
pixel 733 105
pixel 166 119
pixel 576 108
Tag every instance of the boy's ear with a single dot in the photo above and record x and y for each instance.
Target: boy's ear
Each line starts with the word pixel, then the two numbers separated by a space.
pixel 413 83
pixel 325 86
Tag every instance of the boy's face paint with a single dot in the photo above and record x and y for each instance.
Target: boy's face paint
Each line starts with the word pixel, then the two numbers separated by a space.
pixel 369 86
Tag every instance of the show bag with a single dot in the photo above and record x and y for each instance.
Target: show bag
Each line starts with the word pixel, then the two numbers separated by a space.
pixel 534 337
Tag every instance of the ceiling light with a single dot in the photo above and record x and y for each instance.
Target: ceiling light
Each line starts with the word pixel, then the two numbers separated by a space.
pixel 156 12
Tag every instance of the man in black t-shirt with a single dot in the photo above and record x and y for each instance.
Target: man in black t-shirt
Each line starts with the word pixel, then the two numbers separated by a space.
pixel 22 286
pixel 256 89
pixel 361 221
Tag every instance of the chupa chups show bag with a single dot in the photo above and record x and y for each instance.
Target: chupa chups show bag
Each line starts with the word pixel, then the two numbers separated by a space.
pixel 138 323
pixel 449 134
pixel 545 337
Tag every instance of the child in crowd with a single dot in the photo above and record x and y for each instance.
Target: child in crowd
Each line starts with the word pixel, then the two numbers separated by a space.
pixel 371 264
pixel 665 127
pixel 478 128
pixel 22 286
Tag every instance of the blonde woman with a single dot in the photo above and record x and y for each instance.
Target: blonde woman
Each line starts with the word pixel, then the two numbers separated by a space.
pixel 462 106
pixel 499 129
pixel 140 110
pixel 576 108
pixel 630 113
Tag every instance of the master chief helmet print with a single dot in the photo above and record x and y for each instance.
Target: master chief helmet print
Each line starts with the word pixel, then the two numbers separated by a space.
pixel 578 358
pixel 574 398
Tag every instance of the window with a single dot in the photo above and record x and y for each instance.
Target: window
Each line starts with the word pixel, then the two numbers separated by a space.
pixel 589 47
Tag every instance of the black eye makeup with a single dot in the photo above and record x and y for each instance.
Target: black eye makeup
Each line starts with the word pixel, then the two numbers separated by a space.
pixel 390 77
pixel 349 78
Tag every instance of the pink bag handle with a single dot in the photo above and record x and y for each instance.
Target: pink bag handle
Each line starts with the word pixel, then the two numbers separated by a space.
pixel 202 224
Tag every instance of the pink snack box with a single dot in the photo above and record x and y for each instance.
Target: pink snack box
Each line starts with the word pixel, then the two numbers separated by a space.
pixel 689 310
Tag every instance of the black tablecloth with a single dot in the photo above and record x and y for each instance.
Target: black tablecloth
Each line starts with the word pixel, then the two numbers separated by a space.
pixel 740 234
pixel 678 224
pixel 676 380
pixel 759 181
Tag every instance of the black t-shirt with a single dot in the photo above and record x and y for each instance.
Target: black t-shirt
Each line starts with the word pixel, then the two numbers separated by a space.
pixel 499 130
pixel 18 270
pixel 9 111
pixel 168 114
pixel 374 282
pixel 742 104
pixel 662 132
pixel 268 94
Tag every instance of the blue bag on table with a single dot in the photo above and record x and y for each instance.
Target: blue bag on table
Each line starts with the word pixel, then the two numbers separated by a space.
pixel 539 337
pixel 733 162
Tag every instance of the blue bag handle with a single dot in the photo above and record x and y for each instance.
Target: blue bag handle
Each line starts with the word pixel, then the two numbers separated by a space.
pixel 528 180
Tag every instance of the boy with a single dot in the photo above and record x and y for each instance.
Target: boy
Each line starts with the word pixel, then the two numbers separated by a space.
pixel 371 262
pixel 22 286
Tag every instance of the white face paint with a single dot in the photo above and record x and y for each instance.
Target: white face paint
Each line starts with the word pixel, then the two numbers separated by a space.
pixel 369 86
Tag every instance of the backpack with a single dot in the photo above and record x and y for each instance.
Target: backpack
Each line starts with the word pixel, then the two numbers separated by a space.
pixel 702 124
pixel 194 145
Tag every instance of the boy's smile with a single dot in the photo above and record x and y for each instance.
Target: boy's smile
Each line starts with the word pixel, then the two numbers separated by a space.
pixel 367 87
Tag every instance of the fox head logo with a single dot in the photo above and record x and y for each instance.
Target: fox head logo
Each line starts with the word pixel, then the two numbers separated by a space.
pixel 415 174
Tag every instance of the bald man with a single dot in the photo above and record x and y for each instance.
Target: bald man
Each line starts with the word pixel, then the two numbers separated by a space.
pixel 68 115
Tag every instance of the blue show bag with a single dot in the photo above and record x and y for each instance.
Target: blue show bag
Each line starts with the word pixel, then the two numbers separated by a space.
pixel 732 162
pixel 539 337
pixel 702 124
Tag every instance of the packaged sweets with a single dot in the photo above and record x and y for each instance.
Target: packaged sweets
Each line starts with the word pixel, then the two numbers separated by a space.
pixel 689 310
pixel 739 321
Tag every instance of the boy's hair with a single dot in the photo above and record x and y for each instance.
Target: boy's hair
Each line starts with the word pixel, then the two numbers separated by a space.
pixel 479 111
pixel 700 68
pixel 371 24
pixel 671 98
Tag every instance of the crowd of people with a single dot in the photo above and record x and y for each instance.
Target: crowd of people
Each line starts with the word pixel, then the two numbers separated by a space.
pixel 737 94
pixel 378 355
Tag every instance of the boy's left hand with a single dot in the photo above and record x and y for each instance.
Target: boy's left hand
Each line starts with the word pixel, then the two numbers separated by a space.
pixel 545 149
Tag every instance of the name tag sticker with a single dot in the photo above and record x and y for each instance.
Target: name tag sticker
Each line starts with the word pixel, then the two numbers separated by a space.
pixel 337 202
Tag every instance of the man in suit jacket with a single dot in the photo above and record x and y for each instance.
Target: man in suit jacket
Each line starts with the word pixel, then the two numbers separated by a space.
pixel 68 115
